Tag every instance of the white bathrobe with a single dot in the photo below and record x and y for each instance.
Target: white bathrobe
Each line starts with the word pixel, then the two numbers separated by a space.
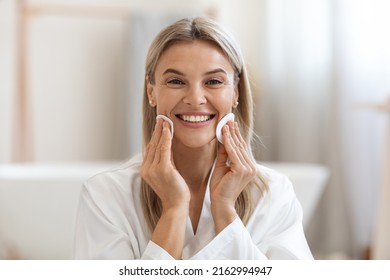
pixel 111 224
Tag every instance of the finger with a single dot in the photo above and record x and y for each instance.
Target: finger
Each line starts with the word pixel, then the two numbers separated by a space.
pixel 157 154
pixel 222 156
pixel 236 143
pixel 235 137
pixel 246 156
pixel 164 146
pixel 152 145
pixel 239 142
pixel 230 146
pixel 157 132
pixel 237 130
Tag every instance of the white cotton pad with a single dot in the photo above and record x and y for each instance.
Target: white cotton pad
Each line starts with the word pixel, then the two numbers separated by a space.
pixel 221 123
pixel 165 118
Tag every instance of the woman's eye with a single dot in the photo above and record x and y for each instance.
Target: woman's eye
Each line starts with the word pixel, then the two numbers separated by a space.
pixel 214 82
pixel 175 82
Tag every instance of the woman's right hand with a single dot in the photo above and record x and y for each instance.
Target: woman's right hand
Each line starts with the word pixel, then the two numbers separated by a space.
pixel 159 172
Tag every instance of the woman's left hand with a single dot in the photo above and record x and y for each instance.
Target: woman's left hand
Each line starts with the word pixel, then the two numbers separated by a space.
pixel 229 180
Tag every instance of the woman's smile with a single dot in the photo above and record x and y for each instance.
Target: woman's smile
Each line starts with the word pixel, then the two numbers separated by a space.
pixel 195 119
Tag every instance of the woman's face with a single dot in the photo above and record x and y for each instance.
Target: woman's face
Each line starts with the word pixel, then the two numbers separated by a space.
pixel 194 86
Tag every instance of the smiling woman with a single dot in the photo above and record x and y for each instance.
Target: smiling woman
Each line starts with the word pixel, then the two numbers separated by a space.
pixel 193 85
pixel 187 196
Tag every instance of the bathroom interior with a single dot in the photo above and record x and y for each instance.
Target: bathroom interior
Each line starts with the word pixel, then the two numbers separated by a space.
pixel 71 80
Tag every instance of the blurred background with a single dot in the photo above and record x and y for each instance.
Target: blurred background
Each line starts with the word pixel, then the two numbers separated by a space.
pixel 71 77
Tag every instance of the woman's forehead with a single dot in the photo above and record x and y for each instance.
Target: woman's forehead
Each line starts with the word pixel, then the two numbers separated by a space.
pixel 192 55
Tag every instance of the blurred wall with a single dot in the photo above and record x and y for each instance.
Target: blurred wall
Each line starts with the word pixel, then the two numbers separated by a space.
pixel 76 73
pixel 7 77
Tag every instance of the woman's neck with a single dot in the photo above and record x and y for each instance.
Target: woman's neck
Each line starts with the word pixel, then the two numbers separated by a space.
pixel 194 164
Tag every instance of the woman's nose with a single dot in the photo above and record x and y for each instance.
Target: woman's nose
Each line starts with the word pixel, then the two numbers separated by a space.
pixel 195 96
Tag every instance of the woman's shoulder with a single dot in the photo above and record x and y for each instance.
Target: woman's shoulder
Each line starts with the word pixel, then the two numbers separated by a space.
pixel 114 195
pixel 123 176
pixel 276 181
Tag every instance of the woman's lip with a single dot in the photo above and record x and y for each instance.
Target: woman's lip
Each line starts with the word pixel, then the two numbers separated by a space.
pixel 195 113
pixel 194 124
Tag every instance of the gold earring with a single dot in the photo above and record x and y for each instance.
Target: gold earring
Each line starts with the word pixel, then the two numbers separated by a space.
pixel 151 103
pixel 235 104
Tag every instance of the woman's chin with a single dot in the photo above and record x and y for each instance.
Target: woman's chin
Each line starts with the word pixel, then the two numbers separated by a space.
pixel 196 142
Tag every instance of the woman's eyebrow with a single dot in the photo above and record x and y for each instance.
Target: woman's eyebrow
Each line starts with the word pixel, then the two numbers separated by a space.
pixel 217 70
pixel 214 71
pixel 174 71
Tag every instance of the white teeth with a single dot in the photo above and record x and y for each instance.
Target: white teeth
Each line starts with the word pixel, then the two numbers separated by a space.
pixel 195 118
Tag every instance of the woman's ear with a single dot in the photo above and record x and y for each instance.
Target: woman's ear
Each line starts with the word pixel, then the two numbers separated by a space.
pixel 150 92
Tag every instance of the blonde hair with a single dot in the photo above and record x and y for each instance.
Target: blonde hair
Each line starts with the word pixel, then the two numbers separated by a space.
pixel 191 29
